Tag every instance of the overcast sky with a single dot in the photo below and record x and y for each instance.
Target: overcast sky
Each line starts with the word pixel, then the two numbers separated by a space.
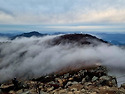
pixel 62 15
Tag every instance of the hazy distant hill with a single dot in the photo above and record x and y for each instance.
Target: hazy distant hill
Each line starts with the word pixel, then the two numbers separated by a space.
pixel 116 39
pixel 7 35
pixel 30 34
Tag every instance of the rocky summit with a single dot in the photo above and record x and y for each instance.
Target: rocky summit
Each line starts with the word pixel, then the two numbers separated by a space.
pixel 92 80
pixel 78 39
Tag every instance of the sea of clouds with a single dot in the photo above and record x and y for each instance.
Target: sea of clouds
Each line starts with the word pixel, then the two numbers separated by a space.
pixel 34 57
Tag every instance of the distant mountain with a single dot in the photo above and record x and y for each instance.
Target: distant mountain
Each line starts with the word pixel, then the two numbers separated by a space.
pixel 57 33
pixel 6 35
pixel 30 34
pixel 116 42
pixel 116 39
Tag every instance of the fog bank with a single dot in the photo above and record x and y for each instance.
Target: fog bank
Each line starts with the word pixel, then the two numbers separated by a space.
pixel 33 57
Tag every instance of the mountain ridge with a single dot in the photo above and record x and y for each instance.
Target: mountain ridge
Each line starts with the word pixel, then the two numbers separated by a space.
pixel 29 34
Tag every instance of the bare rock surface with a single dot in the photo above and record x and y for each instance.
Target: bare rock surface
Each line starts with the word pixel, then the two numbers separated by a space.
pixel 84 81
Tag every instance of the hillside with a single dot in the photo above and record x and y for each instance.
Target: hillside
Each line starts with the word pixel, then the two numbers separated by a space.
pixel 93 80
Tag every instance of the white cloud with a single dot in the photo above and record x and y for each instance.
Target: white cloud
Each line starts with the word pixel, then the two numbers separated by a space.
pixel 66 12
pixel 5 18
pixel 58 11
pixel 33 57
pixel 109 15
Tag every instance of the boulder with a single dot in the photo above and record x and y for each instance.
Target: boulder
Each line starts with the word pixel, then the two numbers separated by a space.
pixel 66 75
pixel 94 79
pixel 74 82
pixel 50 89
pixel 83 81
pixel 123 85
pixel 108 80
pixel 60 81
pixel 70 79
pixel 68 84
pixel 87 78
pixel 83 90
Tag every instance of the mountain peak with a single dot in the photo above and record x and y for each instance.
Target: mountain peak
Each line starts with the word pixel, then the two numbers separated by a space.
pixel 34 32
pixel 80 39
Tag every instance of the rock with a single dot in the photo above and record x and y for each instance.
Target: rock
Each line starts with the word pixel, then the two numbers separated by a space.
pixel 102 69
pixel 113 83
pixel 53 92
pixel 99 71
pixel 60 81
pixel 43 92
pixel 52 82
pixel 104 80
pixel 82 72
pixel 55 85
pixel 87 78
pixel 11 92
pixel 63 91
pixel 123 85
pixel 70 93
pixel 50 89
pixel 77 92
pixel 76 86
pixel 83 80
pixel 83 90
pixel 94 79
pixel 74 82
pixel 87 84
pixel 73 89
pixel 18 92
pixel 66 75
pixel 56 79
pixel 70 79
pixel 64 80
pixel 107 78
pixel 68 84
pixel 121 91
pixel 109 90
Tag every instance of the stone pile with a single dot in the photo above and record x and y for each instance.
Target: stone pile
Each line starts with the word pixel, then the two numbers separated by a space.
pixel 84 81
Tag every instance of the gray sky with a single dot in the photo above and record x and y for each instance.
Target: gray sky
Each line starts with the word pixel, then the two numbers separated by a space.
pixel 62 15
